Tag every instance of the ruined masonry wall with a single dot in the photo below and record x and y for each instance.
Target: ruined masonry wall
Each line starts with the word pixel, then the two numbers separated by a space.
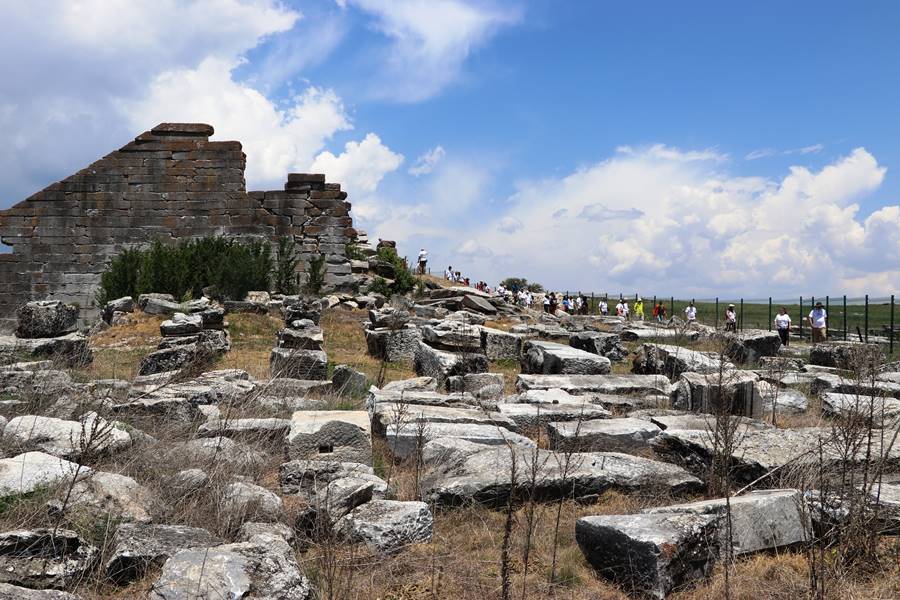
pixel 170 182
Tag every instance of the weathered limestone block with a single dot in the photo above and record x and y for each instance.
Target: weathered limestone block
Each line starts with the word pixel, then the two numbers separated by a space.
pixel 452 336
pixel 307 338
pixel 549 358
pixel 242 570
pixel 331 435
pixel 404 441
pixel 501 345
pixel 388 525
pixel 27 472
pixel 750 345
pixel 760 519
pixel 63 438
pixel 484 386
pixel 672 361
pixel 706 392
pixel 482 474
pixel 596 342
pixel 606 435
pixel 46 319
pixel 139 547
pixel 123 305
pixel 527 415
pixel 393 344
pixel 843 355
pixel 298 364
pixel 631 385
pixel 181 324
pixel 442 365
pixel 44 558
pixel 651 554
pixel 104 495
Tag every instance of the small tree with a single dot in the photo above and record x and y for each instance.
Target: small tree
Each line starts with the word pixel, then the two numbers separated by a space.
pixel 286 262
pixel 316 274
pixel 520 283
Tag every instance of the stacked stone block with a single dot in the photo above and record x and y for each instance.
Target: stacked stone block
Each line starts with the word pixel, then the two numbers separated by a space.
pixel 170 182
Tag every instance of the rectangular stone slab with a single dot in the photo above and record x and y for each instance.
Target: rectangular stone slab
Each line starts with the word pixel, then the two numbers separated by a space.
pixel 636 385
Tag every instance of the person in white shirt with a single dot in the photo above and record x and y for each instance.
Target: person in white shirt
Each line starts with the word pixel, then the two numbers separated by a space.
pixel 620 309
pixel 448 274
pixel 604 307
pixel 625 311
pixel 690 313
pixel 818 321
pixel 783 325
pixel 730 318
pixel 546 303
pixel 423 260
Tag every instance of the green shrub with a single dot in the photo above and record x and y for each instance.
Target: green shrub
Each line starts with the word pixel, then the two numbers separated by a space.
pixel 121 277
pixel 230 267
pixel 404 281
pixel 354 253
pixel 520 283
pixel 286 266
pixel 316 274
pixel 380 286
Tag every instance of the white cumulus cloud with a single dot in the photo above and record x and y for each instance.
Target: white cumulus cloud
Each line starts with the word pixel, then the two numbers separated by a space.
pixel 667 222
pixel 425 164
pixel 361 166
pixel 430 41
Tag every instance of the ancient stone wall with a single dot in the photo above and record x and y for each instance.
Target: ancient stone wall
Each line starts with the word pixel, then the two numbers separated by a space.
pixel 170 182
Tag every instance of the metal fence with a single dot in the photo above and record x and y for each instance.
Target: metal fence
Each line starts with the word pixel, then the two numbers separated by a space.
pixel 860 320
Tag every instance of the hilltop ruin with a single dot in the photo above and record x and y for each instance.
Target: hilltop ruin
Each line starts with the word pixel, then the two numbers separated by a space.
pixel 170 182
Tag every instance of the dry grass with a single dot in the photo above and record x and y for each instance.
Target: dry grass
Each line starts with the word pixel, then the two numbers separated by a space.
pixel 142 330
pixel 252 339
pixel 784 576
pixel 510 370
pixel 345 343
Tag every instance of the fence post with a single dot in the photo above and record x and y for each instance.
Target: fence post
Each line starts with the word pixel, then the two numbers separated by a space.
pixel 672 307
pixel 801 318
pixel 770 313
pixel 827 308
pixel 845 317
pixel 866 319
pixel 741 318
pixel 717 313
pixel 892 325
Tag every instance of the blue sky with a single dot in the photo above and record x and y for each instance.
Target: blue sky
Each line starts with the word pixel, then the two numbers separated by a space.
pixel 696 148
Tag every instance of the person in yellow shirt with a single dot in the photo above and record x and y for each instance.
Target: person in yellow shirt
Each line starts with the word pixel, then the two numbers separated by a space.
pixel 639 309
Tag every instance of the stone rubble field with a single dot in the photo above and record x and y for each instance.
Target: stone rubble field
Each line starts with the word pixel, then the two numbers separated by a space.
pixel 185 479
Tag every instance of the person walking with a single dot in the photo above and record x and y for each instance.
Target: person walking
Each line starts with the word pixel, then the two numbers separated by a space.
pixel 546 303
pixel 604 307
pixel 730 318
pixel 639 309
pixel 423 261
pixel 690 313
pixel 783 325
pixel 818 322
pixel 554 303
pixel 626 312
pixel 620 308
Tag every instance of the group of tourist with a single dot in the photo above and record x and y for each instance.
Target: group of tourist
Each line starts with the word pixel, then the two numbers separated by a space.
pixel 456 277
pixel 579 305
pixel 817 319
pixel 576 305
